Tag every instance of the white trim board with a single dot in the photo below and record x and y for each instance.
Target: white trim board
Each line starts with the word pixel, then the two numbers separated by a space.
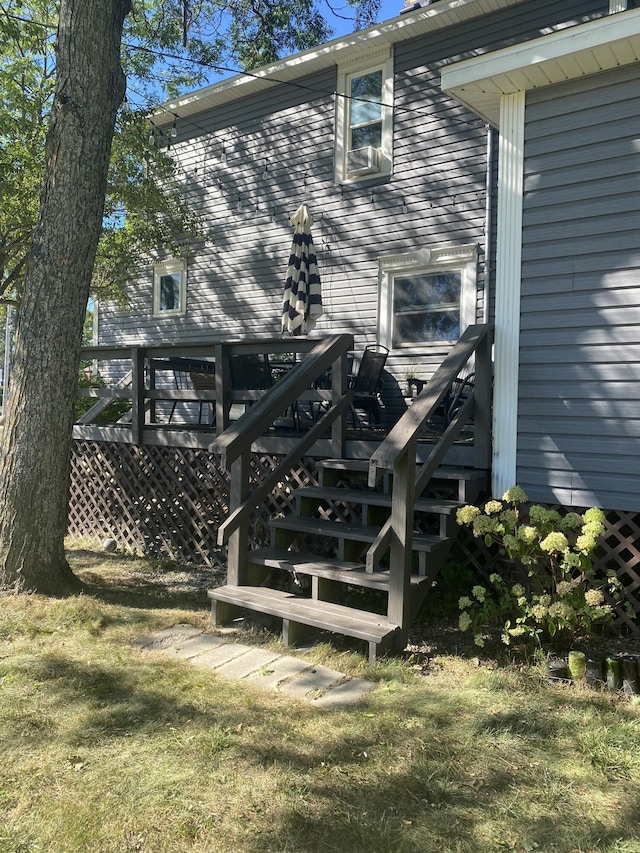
pixel 576 52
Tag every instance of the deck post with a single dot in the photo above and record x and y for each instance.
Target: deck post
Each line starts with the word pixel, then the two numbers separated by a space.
pixel 223 388
pixel 401 555
pixel 482 403
pixel 339 381
pixel 239 489
pixel 137 395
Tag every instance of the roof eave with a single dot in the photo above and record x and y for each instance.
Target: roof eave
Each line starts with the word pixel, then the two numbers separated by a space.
pixel 439 15
pixel 580 51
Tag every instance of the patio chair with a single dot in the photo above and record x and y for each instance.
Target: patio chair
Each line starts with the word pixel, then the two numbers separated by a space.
pixel 461 389
pixel 366 384
pixel 250 372
pixel 187 377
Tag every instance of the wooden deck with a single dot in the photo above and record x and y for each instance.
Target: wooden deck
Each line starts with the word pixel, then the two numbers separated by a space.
pixel 377 520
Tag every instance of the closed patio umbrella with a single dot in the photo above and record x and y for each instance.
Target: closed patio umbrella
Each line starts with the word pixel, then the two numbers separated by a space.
pixel 302 299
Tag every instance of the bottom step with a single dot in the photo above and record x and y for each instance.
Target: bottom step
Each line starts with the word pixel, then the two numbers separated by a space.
pixel 318 614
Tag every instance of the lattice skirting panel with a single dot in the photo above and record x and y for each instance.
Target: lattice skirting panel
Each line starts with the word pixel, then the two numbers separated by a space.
pixel 165 502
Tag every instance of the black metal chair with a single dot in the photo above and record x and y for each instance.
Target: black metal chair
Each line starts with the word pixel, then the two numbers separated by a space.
pixel 460 390
pixel 191 375
pixel 204 382
pixel 250 371
pixel 365 385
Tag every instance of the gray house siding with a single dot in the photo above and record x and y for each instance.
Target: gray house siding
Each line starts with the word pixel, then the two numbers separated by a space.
pixel 436 196
pixel 579 407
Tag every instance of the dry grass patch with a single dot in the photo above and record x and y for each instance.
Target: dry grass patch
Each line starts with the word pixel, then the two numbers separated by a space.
pixel 107 750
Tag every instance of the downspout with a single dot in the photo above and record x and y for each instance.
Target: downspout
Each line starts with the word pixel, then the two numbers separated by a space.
pixel 488 235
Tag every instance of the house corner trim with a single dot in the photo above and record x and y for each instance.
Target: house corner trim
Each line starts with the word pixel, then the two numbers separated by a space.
pixel 508 286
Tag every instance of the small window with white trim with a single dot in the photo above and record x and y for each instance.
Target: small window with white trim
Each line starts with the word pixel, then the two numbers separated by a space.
pixel 364 119
pixel 427 297
pixel 170 288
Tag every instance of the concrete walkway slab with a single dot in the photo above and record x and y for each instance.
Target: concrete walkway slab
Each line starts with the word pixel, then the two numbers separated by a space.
pixel 322 686
pixel 222 654
pixel 194 646
pixel 311 681
pixel 241 667
pixel 278 671
pixel 345 693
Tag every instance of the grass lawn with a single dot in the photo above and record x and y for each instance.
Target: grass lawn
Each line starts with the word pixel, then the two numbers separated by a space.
pixel 105 749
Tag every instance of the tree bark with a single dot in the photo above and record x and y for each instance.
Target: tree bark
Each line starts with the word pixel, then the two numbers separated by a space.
pixel 35 452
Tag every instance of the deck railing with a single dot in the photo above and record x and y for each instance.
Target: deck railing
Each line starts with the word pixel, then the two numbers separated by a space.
pixel 139 368
pixel 398 454
pixel 234 446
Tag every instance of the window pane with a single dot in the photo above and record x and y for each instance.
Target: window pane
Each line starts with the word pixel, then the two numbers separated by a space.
pixel 369 135
pixel 426 328
pixel 426 307
pixel 366 98
pixel 170 292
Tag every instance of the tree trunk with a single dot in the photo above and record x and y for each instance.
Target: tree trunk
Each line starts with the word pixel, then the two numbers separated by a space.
pixel 34 460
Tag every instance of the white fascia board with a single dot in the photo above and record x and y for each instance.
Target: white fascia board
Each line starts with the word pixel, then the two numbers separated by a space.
pixel 440 15
pixel 572 53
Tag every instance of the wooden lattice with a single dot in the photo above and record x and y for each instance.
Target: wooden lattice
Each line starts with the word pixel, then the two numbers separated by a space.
pixel 168 502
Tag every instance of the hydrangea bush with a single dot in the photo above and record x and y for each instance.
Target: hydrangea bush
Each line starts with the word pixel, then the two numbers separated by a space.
pixel 559 598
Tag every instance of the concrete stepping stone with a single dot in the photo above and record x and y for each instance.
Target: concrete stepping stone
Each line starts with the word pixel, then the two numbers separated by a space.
pixel 346 693
pixel 222 654
pixel 278 671
pixel 241 667
pixel 311 680
pixel 194 646
pixel 322 686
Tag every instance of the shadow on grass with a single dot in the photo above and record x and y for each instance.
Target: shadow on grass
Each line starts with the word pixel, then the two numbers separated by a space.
pixel 131 582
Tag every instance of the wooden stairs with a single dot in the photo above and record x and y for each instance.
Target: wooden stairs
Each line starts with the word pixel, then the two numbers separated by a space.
pixel 364 546
pixel 314 575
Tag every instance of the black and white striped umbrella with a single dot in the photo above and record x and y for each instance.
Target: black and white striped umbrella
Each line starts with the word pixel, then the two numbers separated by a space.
pixel 302 298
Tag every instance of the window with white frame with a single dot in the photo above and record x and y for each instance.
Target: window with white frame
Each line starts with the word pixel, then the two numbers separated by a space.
pixel 427 297
pixel 364 119
pixel 170 288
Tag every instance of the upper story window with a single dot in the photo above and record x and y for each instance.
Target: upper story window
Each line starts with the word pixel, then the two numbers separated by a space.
pixel 364 119
pixel 427 297
pixel 170 288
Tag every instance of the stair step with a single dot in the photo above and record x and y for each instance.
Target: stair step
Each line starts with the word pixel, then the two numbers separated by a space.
pixel 320 614
pixel 371 498
pixel 343 530
pixel 362 466
pixel 325 567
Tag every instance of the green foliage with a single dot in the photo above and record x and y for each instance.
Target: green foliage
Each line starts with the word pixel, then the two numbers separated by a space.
pixel 109 415
pixel 454 580
pixel 169 47
pixel 548 591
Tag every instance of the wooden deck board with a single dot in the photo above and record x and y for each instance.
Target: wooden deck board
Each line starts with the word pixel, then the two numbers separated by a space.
pixel 319 614
pixel 325 567
pixel 342 530
pixel 371 498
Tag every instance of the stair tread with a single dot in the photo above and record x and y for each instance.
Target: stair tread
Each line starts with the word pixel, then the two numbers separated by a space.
pixel 320 614
pixel 374 498
pixel 325 567
pixel 442 473
pixel 345 530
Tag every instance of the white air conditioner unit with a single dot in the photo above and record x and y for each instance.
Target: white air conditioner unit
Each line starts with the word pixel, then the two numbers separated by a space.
pixel 363 161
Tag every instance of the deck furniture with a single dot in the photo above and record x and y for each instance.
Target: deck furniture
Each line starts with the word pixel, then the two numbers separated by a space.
pixel 365 385
pixel 461 389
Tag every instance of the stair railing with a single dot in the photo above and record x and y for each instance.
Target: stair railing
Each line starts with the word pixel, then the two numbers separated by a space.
pixel 234 445
pixel 398 452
